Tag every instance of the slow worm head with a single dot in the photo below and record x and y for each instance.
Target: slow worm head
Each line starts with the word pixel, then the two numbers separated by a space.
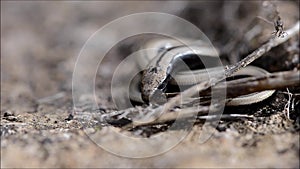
pixel 166 63
pixel 153 85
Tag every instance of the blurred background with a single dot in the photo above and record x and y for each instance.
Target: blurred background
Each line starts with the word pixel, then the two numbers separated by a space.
pixel 41 40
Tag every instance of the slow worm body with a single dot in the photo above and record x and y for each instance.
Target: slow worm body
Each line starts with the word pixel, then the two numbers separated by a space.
pixel 185 63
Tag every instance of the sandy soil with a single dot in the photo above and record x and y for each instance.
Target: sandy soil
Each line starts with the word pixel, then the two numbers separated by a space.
pixel 39 128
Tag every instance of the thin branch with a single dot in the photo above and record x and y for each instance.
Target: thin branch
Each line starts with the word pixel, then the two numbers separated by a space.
pixel 225 117
pixel 171 116
pixel 202 117
pixel 278 80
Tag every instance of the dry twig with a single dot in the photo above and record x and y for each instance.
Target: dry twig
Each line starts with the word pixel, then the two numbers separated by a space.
pixel 278 80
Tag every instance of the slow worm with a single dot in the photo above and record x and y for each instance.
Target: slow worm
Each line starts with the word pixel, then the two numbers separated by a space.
pixel 184 62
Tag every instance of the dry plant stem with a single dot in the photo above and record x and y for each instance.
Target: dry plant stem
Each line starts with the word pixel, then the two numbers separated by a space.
pixel 278 80
pixel 225 117
pixel 273 42
pixel 173 115
pixel 170 116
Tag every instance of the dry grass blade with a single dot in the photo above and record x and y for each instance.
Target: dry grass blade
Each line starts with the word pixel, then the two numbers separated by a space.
pixel 278 80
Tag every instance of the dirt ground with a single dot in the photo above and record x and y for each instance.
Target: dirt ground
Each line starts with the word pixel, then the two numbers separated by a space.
pixel 40 42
